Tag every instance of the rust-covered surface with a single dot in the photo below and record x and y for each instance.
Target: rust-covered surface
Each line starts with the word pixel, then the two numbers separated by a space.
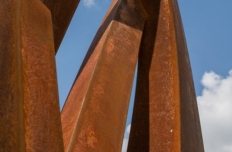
pixel 165 117
pixel 29 108
pixel 191 136
pixel 94 115
pixel 62 12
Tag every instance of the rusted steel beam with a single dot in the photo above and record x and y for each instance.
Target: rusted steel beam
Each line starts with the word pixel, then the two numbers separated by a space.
pixel 94 115
pixel 29 108
pixel 165 114
pixel 62 12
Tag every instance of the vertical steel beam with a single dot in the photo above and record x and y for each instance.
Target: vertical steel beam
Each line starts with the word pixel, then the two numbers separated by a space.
pixel 62 12
pixel 165 114
pixel 191 135
pixel 94 115
pixel 29 108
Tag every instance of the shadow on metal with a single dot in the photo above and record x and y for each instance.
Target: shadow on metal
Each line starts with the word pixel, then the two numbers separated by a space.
pixel 165 116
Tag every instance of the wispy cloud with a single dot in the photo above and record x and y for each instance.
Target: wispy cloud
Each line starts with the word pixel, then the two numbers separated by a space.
pixel 215 107
pixel 89 3
pixel 126 138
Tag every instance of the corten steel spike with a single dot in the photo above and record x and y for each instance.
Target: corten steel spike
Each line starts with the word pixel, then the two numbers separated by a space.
pixel 62 12
pixel 94 115
pixel 165 117
pixel 29 108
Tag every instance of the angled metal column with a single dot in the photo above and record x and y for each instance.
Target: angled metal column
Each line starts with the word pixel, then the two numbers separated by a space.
pixel 94 115
pixel 62 12
pixel 165 117
pixel 29 108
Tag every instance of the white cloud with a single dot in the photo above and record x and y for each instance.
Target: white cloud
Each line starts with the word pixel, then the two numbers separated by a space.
pixel 128 130
pixel 89 3
pixel 126 138
pixel 124 145
pixel 215 107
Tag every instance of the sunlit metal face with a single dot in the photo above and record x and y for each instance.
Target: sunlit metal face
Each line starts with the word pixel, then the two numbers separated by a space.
pixel 93 119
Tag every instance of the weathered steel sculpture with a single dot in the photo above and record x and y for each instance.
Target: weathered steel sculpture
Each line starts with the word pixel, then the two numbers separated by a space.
pixel 165 113
pixel 29 108
pixel 93 118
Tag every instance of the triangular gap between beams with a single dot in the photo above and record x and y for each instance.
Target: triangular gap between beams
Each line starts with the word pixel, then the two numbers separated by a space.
pixel 76 42
pixel 130 112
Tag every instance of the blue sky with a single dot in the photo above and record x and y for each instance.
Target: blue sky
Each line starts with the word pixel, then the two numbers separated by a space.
pixel 208 31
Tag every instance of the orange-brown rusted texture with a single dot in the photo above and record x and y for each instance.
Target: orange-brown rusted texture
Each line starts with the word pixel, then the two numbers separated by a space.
pixel 62 12
pixel 165 116
pixel 191 136
pixel 94 115
pixel 29 108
